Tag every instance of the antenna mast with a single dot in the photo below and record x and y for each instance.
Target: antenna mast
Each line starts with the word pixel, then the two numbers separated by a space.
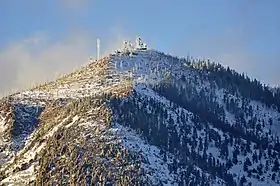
pixel 98 48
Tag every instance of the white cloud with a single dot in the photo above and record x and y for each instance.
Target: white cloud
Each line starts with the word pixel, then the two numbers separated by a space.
pixel 37 58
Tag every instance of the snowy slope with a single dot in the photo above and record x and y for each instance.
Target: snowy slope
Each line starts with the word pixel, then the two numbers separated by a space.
pixel 138 107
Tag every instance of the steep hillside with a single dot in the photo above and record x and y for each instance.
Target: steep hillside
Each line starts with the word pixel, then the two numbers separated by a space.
pixel 141 117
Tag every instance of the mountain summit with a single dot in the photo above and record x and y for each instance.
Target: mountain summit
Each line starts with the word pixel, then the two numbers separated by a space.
pixel 142 117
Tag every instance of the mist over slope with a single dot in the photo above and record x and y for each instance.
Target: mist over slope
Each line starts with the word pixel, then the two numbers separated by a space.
pixel 141 117
pixel 39 58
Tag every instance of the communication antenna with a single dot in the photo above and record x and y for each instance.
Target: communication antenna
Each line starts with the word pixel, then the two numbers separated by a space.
pixel 98 48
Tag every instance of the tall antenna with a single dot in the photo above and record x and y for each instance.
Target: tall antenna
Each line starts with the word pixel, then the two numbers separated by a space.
pixel 98 48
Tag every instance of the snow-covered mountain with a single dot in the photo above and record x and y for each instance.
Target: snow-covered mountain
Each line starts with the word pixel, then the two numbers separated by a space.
pixel 142 117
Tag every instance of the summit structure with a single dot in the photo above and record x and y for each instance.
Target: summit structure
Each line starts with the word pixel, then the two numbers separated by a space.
pixel 128 47
pixel 140 45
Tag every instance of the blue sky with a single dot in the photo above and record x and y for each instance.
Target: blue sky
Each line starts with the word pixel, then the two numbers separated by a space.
pixel 44 36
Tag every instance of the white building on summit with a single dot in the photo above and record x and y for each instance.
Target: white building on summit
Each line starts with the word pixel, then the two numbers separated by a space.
pixel 140 45
pixel 129 48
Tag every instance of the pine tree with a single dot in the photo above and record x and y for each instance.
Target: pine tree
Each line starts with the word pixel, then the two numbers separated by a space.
pixel 242 181
pixel 275 166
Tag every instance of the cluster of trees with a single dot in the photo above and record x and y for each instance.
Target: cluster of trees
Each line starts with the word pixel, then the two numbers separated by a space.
pixel 159 128
pixel 229 79
pixel 87 163
pixel 178 136
pixel 80 155
pixel 235 82
pixel 24 121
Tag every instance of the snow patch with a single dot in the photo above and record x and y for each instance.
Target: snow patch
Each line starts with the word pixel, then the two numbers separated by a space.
pixel 157 170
